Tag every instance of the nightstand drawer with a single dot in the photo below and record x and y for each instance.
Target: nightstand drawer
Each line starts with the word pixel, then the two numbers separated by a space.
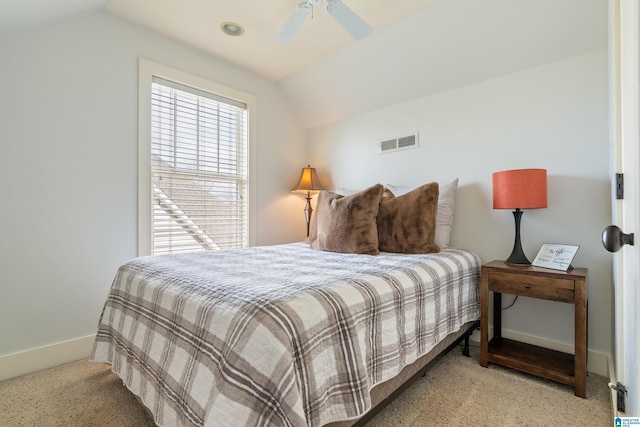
pixel 532 286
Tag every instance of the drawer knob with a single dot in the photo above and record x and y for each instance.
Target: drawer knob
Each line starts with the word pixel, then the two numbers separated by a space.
pixel 528 286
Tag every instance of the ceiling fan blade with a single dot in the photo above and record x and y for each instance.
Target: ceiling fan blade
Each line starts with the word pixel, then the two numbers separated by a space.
pixel 348 19
pixel 294 22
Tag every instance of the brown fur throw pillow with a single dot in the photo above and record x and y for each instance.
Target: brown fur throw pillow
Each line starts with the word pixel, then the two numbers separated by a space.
pixel 313 225
pixel 407 223
pixel 348 223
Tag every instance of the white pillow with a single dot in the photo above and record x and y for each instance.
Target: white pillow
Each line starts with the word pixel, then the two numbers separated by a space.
pixel 446 204
pixel 345 191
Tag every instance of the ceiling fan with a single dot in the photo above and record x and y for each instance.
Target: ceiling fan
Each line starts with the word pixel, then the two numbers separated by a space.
pixel 338 10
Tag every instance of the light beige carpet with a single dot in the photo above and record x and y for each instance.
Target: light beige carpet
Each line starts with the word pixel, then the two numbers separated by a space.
pixel 456 391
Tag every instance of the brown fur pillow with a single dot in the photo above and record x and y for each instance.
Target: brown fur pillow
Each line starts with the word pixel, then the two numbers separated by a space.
pixel 313 225
pixel 407 223
pixel 348 223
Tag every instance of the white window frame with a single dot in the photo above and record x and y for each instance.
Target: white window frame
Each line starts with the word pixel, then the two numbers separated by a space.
pixel 146 71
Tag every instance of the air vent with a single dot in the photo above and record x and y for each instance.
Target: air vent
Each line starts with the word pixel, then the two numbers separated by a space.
pixel 401 143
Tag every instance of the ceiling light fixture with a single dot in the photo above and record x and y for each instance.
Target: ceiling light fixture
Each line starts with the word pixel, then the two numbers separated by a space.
pixel 232 29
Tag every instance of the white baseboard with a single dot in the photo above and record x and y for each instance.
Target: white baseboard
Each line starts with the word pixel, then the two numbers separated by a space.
pixel 597 362
pixel 26 362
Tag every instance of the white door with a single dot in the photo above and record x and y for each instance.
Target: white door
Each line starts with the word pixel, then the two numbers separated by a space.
pixel 625 110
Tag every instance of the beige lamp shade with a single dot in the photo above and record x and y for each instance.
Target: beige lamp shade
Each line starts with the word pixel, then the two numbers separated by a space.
pixel 308 180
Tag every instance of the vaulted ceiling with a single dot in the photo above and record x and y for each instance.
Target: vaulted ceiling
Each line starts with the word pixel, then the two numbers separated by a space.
pixel 417 47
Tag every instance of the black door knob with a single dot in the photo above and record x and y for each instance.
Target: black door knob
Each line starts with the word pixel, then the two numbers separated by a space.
pixel 613 238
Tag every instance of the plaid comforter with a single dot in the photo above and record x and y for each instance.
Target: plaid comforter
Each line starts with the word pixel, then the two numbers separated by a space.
pixel 277 335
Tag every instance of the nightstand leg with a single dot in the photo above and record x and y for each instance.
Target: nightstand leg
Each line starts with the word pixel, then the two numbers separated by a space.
pixel 580 358
pixel 497 314
pixel 484 320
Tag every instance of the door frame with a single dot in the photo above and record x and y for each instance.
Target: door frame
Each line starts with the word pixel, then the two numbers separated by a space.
pixel 624 44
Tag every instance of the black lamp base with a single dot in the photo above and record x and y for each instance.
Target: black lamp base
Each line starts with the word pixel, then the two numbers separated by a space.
pixel 517 256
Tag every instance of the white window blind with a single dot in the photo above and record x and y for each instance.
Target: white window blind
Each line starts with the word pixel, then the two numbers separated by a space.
pixel 198 169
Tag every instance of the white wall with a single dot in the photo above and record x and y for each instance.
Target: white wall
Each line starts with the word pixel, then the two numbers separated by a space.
pixel 553 117
pixel 68 169
pixel 446 45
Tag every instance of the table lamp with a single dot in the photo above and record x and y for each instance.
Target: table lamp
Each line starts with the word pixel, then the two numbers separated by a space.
pixel 308 182
pixel 519 189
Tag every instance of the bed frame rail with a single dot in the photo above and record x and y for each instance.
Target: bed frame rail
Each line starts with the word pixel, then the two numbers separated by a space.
pixel 421 373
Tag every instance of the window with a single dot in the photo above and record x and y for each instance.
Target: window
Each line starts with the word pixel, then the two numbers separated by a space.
pixel 197 152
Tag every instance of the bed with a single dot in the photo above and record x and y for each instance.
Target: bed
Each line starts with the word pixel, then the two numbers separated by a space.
pixel 281 335
pixel 305 334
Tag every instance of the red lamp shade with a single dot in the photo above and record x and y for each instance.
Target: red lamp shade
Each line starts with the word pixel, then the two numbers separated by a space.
pixel 520 188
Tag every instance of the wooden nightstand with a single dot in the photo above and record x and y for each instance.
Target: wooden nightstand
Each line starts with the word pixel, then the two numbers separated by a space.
pixel 535 282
